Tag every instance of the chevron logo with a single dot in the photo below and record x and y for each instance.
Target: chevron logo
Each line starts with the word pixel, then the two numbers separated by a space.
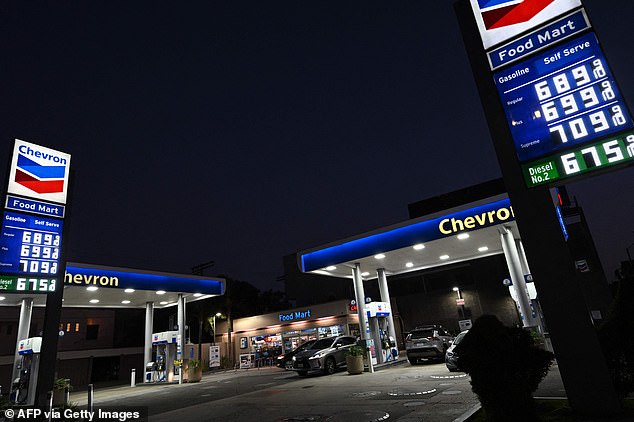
pixel 501 13
pixel 39 178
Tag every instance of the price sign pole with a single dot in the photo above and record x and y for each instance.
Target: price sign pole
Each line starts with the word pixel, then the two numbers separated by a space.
pixel 534 111
pixel 32 243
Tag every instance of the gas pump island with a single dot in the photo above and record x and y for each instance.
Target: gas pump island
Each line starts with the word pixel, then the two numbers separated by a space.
pixel 382 345
pixel 23 387
pixel 165 349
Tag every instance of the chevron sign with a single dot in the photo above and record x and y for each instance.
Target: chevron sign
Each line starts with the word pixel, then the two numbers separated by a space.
pixel 39 172
pixel 501 20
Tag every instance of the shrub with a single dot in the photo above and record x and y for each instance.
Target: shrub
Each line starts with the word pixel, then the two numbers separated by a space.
pixel 355 350
pixel 505 368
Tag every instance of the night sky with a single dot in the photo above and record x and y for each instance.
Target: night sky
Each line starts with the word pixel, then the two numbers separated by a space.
pixel 242 131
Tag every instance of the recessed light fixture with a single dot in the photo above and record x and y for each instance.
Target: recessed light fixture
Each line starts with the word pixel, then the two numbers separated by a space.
pixel 198 294
pixel 129 290
pixel 331 268
pixel 125 302
pixel 463 236
pixel 2 298
pixel 419 246
pixel 163 303
pixel 94 300
pixel 483 248
pixel 443 257
pixel 409 264
pixel 92 288
pixel 160 292
pixel 379 256
pixel 365 274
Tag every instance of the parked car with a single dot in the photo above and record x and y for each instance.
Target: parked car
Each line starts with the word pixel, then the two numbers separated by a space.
pixel 451 358
pixel 427 342
pixel 325 355
pixel 286 360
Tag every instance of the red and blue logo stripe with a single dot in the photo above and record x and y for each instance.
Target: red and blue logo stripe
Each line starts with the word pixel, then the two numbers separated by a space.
pixel 501 13
pixel 39 178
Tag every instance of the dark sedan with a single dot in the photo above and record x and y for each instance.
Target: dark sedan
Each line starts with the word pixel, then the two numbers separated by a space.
pixel 286 360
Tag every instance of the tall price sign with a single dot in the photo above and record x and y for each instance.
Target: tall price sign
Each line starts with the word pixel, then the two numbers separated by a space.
pixel 33 219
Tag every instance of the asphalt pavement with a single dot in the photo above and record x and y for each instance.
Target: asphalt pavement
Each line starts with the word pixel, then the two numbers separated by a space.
pixel 404 393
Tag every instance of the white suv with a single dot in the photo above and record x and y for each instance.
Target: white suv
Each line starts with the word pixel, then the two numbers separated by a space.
pixel 429 341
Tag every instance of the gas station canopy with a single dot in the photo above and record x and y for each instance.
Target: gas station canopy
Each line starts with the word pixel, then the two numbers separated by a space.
pixel 92 286
pixel 447 237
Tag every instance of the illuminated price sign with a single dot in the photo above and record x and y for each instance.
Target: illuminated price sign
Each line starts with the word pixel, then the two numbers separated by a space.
pixel 30 246
pixel 562 98
pixel 27 284
pixel 584 159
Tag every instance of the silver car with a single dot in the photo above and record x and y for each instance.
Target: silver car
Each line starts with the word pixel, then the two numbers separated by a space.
pixel 325 355
pixel 451 358
pixel 427 342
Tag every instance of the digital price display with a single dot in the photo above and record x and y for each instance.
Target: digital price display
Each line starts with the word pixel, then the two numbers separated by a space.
pixel 583 159
pixel 30 247
pixel 562 98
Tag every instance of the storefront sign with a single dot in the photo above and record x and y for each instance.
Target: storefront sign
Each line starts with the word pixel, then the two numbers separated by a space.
pixel 294 316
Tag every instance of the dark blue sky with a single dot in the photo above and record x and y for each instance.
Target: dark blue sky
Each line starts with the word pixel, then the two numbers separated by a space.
pixel 243 131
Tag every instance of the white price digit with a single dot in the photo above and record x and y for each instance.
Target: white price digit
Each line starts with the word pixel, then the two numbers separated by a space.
pixel 597 69
pixel 55 253
pixel 25 250
pixel 617 116
pixel 578 128
pixel 581 75
pixel 56 240
pixel 37 238
pixel 561 83
pixel 53 267
pixel 34 266
pixel 46 253
pixel 606 91
pixel 559 133
pixel 24 265
pixel 630 145
pixel 43 285
pixel 569 104
pixel 589 97
pixel 21 285
pixel 570 163
pixel 44 267
pixel 550 111
pixel 543 92
pixel 613 151
pixel 592 151
pixel 598 121
pixel 51 286
pixel 26 237
pixel 35 251
pixel 48 239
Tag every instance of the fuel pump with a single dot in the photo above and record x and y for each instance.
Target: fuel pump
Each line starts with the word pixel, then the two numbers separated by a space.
pixel 163 368
pixel 384 345
pixel 23 387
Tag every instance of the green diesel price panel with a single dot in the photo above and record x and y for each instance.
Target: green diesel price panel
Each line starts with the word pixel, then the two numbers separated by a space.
pixel 27 284
pixel 581 160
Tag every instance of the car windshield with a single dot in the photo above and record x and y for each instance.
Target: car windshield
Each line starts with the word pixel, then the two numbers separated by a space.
pixel 421 334
pixel 305 346
pixel 324 343
pixel 459 337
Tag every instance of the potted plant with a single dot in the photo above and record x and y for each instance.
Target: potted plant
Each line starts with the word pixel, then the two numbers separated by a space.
pixel 354 360
pixel 194 370
pixel 61 387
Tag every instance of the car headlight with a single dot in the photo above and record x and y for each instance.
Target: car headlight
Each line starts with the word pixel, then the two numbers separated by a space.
pixel 294 358
pixel 317 356
pixel 280 357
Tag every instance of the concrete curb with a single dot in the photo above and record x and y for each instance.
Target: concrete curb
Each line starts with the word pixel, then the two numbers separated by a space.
pixel 466 415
